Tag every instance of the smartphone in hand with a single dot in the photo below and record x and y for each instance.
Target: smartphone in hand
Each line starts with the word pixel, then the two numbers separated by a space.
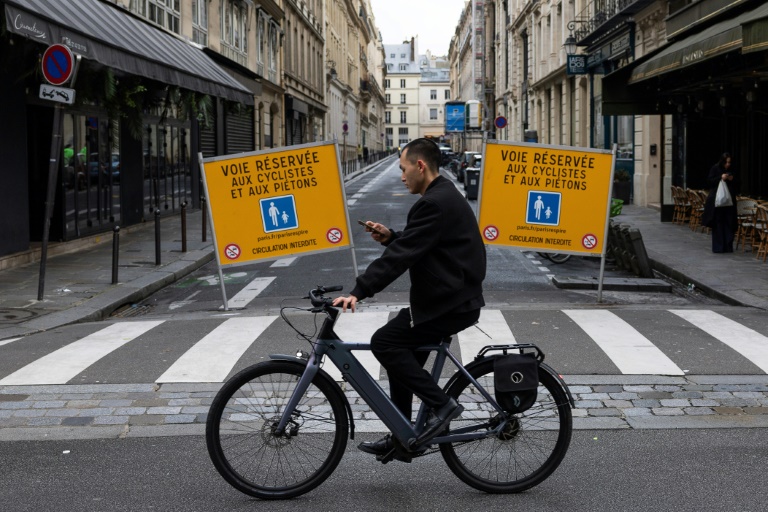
pixel 371 228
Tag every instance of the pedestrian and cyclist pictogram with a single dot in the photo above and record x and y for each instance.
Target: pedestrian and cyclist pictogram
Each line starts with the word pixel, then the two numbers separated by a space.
pixel 279 213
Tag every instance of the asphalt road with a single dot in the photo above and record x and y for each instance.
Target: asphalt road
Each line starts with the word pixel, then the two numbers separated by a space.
pixel 691 470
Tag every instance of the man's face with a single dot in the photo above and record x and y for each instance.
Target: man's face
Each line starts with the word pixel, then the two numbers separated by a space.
pixel 413 174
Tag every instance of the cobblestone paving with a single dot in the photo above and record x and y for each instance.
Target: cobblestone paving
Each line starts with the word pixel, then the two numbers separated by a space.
pixel 142 409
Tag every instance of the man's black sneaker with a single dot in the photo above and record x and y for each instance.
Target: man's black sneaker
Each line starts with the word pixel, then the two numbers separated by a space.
pixel 438 420
pixel 380 447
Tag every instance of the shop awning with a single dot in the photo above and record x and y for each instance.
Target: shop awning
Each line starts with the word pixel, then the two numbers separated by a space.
pixel 723 37
pixel 115 38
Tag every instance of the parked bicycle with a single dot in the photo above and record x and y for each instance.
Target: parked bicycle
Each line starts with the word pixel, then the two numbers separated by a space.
pixel 555 257
pixel 279 428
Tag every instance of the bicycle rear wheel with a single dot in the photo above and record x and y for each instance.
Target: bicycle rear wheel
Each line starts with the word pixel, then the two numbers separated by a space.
pixel 525 453
pixel 246 451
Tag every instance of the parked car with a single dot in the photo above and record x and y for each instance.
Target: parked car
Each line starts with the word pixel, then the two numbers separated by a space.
pixel 467 160
pixel 445 155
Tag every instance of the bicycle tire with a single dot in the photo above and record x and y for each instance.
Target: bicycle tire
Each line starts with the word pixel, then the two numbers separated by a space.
pixel 526 452
pixel 556 257
pixel 255 461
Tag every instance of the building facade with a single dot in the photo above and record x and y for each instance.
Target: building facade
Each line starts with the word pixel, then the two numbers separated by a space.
pixel 401 91
pixel 434 91
pixel 303 68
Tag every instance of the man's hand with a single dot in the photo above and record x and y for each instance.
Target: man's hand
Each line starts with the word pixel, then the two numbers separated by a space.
pixel 383 231
pixel 346 302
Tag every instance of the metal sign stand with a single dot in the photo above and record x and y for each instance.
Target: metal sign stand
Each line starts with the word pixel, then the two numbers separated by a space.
pixel 605 234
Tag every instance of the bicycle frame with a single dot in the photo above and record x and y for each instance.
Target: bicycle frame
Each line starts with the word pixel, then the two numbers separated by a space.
pixel 327 343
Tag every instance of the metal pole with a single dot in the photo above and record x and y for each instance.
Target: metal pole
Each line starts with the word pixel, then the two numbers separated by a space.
pixel 205 217
pixel 115 252
pixel 184 226
pixel 53 171
pixel 157 236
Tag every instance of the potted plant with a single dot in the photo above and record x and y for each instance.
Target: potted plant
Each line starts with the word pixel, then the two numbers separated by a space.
pixel 621 185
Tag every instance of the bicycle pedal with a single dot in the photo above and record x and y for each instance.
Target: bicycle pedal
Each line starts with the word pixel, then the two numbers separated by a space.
pixel 387 457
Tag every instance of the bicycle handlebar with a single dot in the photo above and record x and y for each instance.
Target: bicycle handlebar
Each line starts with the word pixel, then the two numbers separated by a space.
pixel 317 296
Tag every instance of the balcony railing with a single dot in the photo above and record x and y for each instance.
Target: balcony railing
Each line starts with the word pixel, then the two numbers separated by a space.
pixel 603 16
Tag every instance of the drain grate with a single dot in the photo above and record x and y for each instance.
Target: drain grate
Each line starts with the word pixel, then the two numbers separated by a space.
pixel 12 315
pixel 131 310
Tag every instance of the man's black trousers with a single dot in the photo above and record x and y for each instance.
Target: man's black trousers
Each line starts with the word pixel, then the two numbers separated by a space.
pixel 394 344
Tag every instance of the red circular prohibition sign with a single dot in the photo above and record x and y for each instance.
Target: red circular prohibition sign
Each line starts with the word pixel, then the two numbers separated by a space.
pixel 57 64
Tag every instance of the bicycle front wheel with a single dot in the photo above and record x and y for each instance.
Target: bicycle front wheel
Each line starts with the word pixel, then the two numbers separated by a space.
pixel 241 438
pixel 526 451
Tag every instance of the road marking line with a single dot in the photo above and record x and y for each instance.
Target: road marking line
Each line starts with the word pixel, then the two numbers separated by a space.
pixel 747 342
pixel 5 342
pixel 359 327
pixel 213 357
pixel 630 351
pixel 283 262
pixel 247 294
pixel 472 339
pixel 66 363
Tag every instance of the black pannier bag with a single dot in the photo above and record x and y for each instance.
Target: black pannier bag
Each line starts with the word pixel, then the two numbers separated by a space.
pixel 516 380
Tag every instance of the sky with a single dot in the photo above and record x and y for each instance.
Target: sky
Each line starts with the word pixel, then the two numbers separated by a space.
pixel 433 21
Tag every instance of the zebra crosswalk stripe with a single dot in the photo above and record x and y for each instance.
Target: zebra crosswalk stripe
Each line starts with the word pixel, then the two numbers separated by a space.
pixel 213 357
pixel 629 350
pixel 747 342
pixel 491 329
pixel 64 364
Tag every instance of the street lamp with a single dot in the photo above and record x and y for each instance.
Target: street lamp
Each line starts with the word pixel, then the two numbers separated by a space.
pixel 570 41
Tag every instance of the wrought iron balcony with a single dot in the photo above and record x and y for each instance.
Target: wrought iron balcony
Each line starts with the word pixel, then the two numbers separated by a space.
pixel 601 17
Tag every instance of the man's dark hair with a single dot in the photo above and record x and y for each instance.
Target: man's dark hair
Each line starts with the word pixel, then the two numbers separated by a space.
pixel 724 158
pixel 424 149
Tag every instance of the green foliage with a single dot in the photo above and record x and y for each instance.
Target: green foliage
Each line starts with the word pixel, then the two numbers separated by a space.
pixel 621 175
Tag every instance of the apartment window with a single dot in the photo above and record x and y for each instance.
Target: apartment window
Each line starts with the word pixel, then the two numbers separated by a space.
pixel 433 94
pixel 388 117
pixel 233 26
pixel 403 117
pixel 272 47
pixel 403 136
pixel 386 98
pixel 402 55
pixel 433 113
pixel 447 94
pixel 389 67
pixel 392 55
pixel 402 84
pixel 402 99
pixel 165 13
pixel 386 83
pixel 200 22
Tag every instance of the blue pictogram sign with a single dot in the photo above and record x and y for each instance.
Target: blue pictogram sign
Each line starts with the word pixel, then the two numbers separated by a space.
pixel 278 213
pixel 57 64
pixel 543 208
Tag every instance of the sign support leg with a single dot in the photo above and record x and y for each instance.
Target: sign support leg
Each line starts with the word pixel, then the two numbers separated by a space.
pixel 53 171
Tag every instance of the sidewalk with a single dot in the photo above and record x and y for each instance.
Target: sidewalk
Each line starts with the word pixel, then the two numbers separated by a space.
pixel 78 285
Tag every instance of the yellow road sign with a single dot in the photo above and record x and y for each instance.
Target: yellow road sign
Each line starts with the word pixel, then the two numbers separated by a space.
pixel 545 198
pixel 272 204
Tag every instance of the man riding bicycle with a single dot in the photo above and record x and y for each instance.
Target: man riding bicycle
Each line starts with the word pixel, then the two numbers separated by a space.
pixel 444 254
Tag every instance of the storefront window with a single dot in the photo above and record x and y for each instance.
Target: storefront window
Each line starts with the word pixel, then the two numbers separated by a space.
pixel 90 174
pixel 166 169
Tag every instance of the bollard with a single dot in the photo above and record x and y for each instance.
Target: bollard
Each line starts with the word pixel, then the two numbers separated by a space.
pixel 202 210
pixel 115 252
pixel 184 226
pixel 157 236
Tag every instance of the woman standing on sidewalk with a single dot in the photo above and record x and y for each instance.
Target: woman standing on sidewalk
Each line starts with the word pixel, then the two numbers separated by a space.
pixel 722 219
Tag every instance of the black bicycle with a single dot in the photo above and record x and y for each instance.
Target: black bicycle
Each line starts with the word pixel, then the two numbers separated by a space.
pixel 279 428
